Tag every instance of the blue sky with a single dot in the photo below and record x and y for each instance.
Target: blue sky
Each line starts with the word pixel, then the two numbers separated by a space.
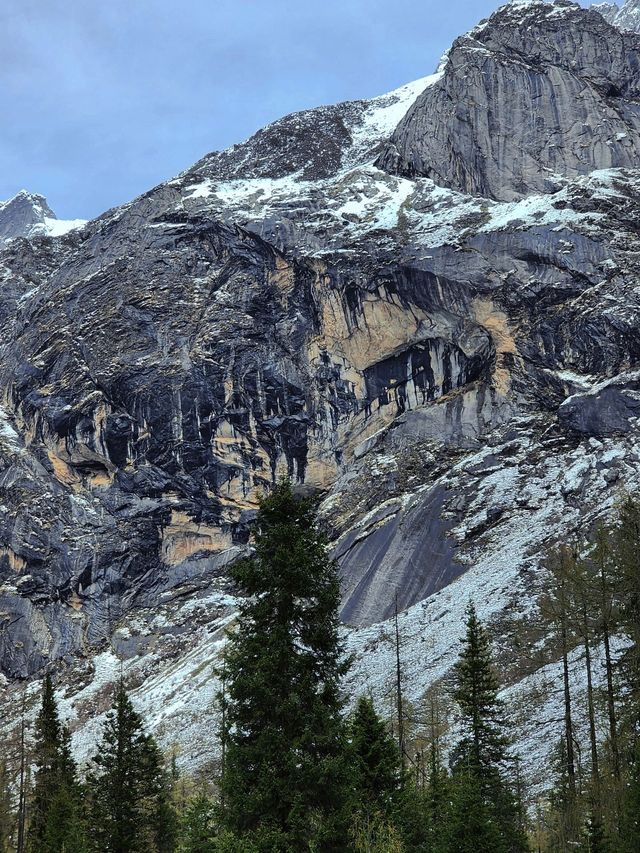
pixel 103 100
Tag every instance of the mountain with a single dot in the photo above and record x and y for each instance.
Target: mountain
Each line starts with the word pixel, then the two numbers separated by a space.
pixel 423 307
pixel 626 18
pixel 29 215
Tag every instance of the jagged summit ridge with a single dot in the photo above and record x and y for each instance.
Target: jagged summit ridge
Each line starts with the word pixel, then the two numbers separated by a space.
pixel 315 144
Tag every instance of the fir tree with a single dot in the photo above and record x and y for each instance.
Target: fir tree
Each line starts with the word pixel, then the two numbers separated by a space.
pixel 198 826
pixel 480 758
pixel 376 771
pixel 56 823
pixel 476 693
pixel 284 773
pixel 472 827
pixel 130 807
pixel 7 816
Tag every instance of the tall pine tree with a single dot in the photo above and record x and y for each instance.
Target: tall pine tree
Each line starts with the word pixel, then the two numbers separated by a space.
pixel 7 816
pixel 375 759
pixel 480 758
pixel 56 823
pixel 284 773
pixel 129 790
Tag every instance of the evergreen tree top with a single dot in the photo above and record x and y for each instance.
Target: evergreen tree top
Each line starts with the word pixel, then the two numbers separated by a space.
pixel 475 678
pixel 476 693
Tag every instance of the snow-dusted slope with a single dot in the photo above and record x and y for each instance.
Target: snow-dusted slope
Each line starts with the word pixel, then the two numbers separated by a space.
pixel 29 215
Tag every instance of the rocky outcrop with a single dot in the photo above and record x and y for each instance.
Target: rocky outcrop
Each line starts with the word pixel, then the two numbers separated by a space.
pixel 29 215
pixel 626 17
pixel 435 333
pixel 609 408
pixel 22 214
pixel 517 112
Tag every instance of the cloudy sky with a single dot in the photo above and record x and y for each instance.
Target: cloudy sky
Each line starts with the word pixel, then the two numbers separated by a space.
pixel 100 101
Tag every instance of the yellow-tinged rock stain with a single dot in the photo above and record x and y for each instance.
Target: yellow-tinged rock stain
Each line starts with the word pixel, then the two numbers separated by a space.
pixel 101 479
pixel 16 562
pixel 384 327
pixel 183 537
pixel 502 332
pixel 64 473
pixel 283 277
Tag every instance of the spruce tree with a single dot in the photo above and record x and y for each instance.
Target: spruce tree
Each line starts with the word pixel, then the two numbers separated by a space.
pixel 130 807
pixel 7 816
pixel 56 823
pixel 479 760
pixel 284 775
pixel 375 759
pixel 476 693
pixel 198 826
pixel 472 826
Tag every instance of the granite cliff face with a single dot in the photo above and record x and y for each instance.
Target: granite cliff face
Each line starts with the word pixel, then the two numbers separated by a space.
pixel 421 307
pixel 531 98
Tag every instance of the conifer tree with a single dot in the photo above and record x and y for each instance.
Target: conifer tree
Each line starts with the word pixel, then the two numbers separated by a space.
pixel 480 758
pixel 563 817
pixel 476 693
pixel 604 582
pixel 562 566
pixel 472 827
pixel 130 807
pixel 57 823
pixel 438 801
pixel 198 826
pixel 630 824
pixel 24 785
pixel 627 569
pixel 7 816
pixel 284 774
pixel 375 758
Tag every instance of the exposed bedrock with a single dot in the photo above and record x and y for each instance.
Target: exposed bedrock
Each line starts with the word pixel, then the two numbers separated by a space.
pixel 152 403
pixel 611 408
pixel 528 99
pixel 396 551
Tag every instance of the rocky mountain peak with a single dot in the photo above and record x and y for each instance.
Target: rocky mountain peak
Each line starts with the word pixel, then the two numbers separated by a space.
pixel 314 144
pixel 22 213
pixel 29 215
pixel 574 81
pixel 625 18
